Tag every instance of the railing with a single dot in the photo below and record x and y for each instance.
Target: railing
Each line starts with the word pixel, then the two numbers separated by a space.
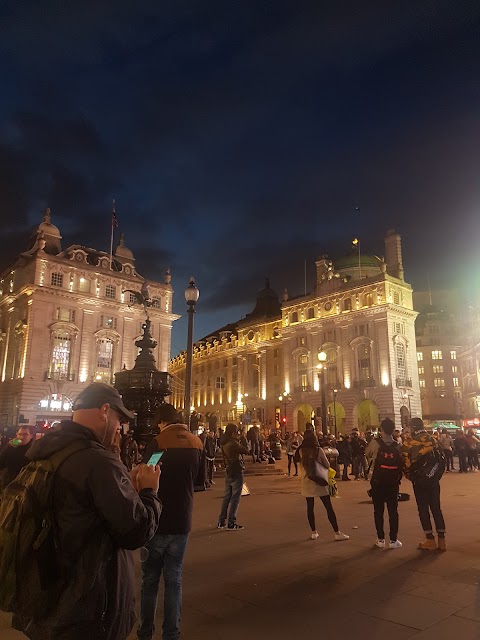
pixel 61 376
pixel 361 384
pixel 404 382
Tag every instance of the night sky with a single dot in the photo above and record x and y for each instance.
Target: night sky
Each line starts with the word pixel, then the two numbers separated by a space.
pixel 240 139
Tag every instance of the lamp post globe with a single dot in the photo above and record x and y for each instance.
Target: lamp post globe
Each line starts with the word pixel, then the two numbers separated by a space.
pixel 322 358
pixel 191 296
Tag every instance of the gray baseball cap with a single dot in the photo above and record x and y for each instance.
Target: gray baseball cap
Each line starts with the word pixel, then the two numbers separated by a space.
pixel 99 393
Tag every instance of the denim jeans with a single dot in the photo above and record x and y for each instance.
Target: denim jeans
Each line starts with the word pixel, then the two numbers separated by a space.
pixel 428 500
pixel 164 552
pixel 233 491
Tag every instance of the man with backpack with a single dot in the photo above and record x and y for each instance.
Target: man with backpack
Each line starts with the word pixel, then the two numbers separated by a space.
pixel 386 460
pixel 68 523
pixel 424 464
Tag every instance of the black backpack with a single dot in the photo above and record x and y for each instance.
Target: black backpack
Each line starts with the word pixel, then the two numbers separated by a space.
pixel 388 464
pixel 429 468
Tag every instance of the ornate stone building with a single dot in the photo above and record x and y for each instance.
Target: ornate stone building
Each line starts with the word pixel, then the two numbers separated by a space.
pixel 66 320
pixel 360 314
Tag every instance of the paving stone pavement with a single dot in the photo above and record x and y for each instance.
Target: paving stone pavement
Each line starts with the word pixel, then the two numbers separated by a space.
pixel 272 581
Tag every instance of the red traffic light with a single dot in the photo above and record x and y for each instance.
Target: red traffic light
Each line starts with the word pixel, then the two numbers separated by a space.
pixel 284 419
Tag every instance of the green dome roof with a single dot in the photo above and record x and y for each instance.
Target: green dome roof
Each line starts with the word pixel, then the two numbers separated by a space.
pixel 347 262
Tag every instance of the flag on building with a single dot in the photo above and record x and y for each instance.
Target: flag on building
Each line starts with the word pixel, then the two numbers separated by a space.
pixel 114 216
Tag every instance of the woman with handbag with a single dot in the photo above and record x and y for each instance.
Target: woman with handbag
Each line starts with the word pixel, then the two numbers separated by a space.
pixel 313 472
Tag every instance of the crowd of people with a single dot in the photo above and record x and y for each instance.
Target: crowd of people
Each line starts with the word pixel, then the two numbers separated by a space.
pixel 114 496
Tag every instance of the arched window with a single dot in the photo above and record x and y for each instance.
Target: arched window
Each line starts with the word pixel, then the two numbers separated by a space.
pixel 56 402
pixel 331 366
pixel 364 362
pixel 401 363
pixel 368 300
pixel 302 369
pixel 311 313
pixel 60 357
pixel 104 361
pixel 294 317
pixel 347 304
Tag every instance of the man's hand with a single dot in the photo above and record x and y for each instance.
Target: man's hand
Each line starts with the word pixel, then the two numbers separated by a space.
pixel 147 477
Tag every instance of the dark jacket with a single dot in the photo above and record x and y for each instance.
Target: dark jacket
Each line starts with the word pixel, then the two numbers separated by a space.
pixel 210 446
pixel 183 468
pixel 99 518
pixel 345 452
pixel 12 460
pixel 232 452
pixel 358 446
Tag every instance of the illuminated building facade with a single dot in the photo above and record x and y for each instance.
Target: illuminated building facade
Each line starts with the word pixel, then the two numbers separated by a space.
pixel 65 321
pixel 440 346
pixel 360 314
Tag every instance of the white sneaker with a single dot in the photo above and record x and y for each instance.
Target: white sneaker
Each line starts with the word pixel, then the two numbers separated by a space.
pixel 395 545
pixel 341 536
pixel 380 544
pixel 314 535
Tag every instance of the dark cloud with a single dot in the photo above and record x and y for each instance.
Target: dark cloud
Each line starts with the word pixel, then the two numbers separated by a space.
pixel 238 139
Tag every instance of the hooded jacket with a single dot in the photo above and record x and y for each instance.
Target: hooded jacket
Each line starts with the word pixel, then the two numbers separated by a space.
pixel 99 518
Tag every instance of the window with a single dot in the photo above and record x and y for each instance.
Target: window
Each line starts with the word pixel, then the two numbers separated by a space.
pixel 276 369
pixel 66 315
pixel 455 382
pixel 219 382
pixel 419 356
pixel 361 330
pixel 109 322
pixel 347 304
pixel 454 368
pixel 331 367
pixel 61 346
pixel 438 382
pixel 401 361
pixel 256 379
pixel 398 327
pixel 234 375
pixel 84 285
pixel 304 381
pixel 275 353
pixel 453 355
pixel 111 291
pixel 294 317
pixel 436 355
pixel 422 384
pixel 301 342
pixel 311 313
pixel 368 300
pixel 364 366
pixel 421 371
pixel 396 297
pixel 329 336
pixel 57 280
pixel 104 359
pixel 438 368
pixel 304 359
pixel 156 303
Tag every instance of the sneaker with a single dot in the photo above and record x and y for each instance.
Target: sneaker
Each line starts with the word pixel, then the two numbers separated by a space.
pixel 235 527
pixel 211 482
pixel 341 536
pixel 380 544
pixel 314 535
pixel 395 544
pixel 221 525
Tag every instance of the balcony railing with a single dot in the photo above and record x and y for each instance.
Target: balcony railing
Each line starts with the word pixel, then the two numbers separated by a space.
pixel 362 384
pixel 61 376
pixel 404 382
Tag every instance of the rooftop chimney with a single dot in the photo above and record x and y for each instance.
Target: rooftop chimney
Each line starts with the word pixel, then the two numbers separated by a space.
pixel 393 254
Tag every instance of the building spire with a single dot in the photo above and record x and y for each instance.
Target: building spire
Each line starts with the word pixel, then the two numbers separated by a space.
pixel 46 217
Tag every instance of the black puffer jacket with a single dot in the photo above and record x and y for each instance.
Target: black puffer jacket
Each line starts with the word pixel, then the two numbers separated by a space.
pixel 100 517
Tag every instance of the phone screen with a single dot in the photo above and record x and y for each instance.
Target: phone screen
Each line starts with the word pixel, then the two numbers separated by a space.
pixel 155 458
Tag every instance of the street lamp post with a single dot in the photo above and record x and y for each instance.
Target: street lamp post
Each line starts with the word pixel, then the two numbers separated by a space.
pixel 335 391
pixel 285 398
pixel 191 296
pixel 322 357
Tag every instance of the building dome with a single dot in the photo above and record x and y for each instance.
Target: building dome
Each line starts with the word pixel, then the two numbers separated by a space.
pixel 122 251
pixel 49 233
pixel 268 304
pixel 351 260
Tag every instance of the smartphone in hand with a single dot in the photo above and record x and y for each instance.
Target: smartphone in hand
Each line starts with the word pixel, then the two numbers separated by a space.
pixel 155 458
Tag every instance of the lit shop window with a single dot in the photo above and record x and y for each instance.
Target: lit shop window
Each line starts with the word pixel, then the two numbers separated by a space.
pixel 56 402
